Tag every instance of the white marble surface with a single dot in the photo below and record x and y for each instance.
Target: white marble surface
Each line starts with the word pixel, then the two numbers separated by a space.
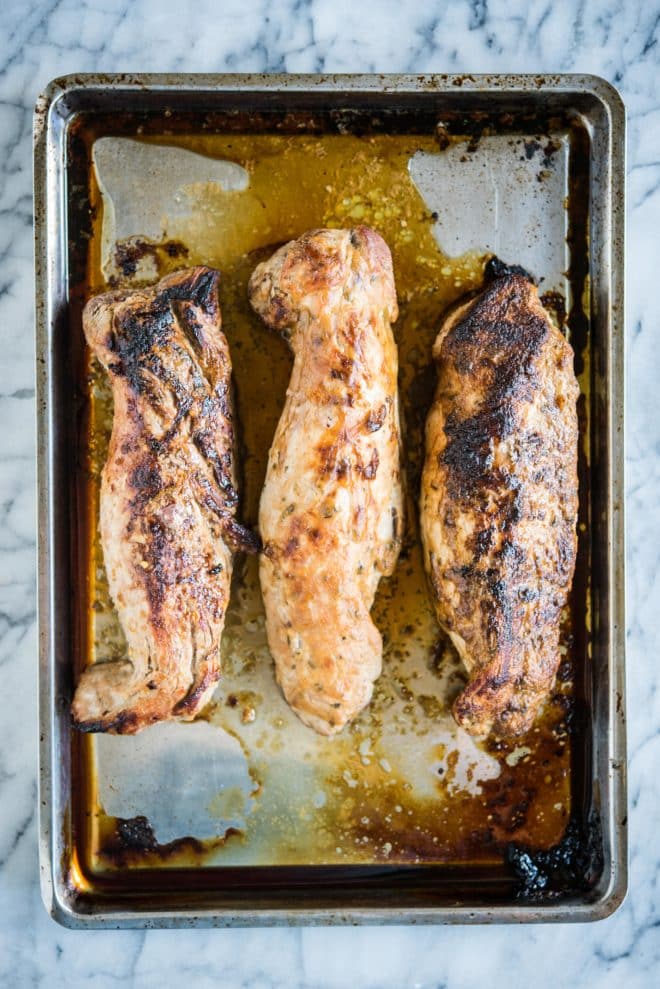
pixel 619 40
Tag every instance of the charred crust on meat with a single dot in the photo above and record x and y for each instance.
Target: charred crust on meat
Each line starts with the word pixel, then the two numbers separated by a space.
pixel 499 347
pixel 134 336
pixel 344 370
pixel 123 724
pixel 137 334
pixel 170 464
pixel 146 479
pixel 498 336
pixel 191 326
pixel 376 418
pixel 221 465
pixel 370 470
pixel 240 537
pixel 503 491
pixel 158 564
pixel 190 702
pixel 201 290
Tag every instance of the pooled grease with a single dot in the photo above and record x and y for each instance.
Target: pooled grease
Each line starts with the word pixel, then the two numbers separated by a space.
pixel 401 784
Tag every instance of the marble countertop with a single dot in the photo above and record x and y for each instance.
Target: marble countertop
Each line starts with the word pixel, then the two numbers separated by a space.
pixel 620 41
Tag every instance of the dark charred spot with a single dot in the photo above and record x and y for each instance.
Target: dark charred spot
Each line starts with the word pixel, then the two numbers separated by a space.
pixel 495 268
pixel 128 253
pixel 136 832
pixel 291 545
pixel 190 325
pixel 344 370
pixel 468 453
pixel 133 843
pixel 574 864
pixel 191 701
pixel 146 479
pixel 124 724
pixel 483 541
pixel 369 472
pixel 175 249
pixel 376 418
pixel 221 465
pixel 556 304
pixel 240 537
pixel 330 463
pixel 134 337
pixel 200 288
pixel 279 310
pixel 159 573
pixel 549 151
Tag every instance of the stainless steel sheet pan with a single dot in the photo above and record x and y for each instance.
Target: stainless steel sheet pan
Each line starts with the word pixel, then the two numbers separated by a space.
pixel 245 817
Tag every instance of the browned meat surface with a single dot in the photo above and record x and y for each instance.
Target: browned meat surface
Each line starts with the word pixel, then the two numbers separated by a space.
pixel 168 499
pixel 499 499
pixel 331 509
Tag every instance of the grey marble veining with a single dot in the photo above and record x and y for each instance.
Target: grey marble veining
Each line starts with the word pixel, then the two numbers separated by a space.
pixel 619 40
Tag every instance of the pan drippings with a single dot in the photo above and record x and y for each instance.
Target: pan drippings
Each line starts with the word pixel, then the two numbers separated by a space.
pixel 402 784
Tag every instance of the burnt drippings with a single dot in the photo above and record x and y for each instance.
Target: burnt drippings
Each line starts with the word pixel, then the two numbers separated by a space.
pixel 531 147
pixel 573 865
pixel 136 832
pixel 131 842
pixel 545 153
pixel 496 268
pixel 555 303
pixel 129 253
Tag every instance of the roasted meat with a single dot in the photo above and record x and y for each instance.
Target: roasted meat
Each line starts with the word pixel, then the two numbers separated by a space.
pixel 168 500
pixel 331 509
pixel 499 498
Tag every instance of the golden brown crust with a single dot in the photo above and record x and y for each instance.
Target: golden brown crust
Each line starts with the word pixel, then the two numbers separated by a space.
pixel 499 499
pixel 168 500
pixel 331 508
